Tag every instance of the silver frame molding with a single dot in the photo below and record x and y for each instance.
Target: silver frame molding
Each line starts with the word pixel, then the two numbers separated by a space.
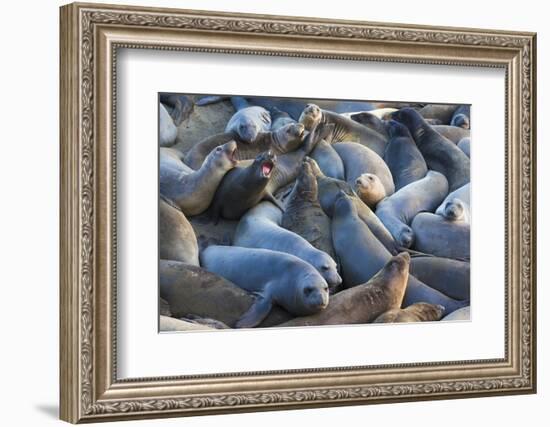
pixel 90 37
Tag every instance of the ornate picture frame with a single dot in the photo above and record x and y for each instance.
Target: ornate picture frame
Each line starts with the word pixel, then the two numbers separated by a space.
pixel 90 37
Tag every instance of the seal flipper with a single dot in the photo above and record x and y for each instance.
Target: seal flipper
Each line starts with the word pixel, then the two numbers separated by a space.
pixel 271 198
pixel 257 312
pixel 239 102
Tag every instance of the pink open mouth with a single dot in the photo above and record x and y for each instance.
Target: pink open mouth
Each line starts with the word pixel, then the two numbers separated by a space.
pixel 267 167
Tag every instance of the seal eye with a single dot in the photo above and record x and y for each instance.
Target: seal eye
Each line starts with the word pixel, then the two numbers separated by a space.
pixel 325 268
pixel 308 291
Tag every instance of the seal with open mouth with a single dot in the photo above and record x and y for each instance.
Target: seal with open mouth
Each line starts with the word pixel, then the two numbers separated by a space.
pixel 244 187
pixel 193 191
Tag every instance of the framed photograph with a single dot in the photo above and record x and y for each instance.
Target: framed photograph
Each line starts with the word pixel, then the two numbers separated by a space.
pixel 268 212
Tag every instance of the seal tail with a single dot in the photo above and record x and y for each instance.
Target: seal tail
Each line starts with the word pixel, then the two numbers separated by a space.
pixel 257 312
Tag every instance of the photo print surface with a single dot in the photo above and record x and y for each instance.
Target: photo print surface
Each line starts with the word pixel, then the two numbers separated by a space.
pixel 281 212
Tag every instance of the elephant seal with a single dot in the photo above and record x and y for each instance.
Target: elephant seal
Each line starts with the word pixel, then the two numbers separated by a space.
pixel 328 192
pixel 452 133
pixel 361 255
pixel 193 291
pixel 365 302
pixel 403 157
pixel 283 140
pixel 303 214
pixel 177 240
pixel 371 121
pixel 449 276
pixel 179 106
pixel 418 312
pixel 248 122
pixel 328 160
pixel 276 278
pixel 440 154
pixel 437 236
pixel 464 145
pixel 461 117
pixel 460 314
pixel 370 189
pixel 358 160
pixel 456 206
pixel 244 187
pixel 194 191
pixel 279 118
pixel 398 210
pixel 167 129
pixel 442 112
pixel 345 129
pixel 261 228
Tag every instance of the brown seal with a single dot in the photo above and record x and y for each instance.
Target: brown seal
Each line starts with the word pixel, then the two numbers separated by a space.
pixel 365 302
pixel 177 238
pixel 370 189
pixel 419 312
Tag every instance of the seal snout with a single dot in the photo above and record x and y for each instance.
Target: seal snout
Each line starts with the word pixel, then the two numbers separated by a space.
pixel 406 237
pixel 230 150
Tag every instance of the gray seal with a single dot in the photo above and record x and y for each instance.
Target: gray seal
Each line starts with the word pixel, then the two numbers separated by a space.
pixel 328 160
pixel 248 122
pixel 364 303
pixel 418 312
pixel 276 278
pixel 371 121
pixel 440 154
pixel 328 192
pixel 193 191
pixel 461 117
pixel 449 276
pixel 456 206
pixel 464 145
pixel 167 129
pixel 177 240
pixel 403 157
pixel 358 160
pixel 437 236
pixel 261 228
pixel 244 187
pixel 442 112
pixel 361 256
pixel 283 140
pixel 460 314
pixel 398 210
pixel 193 291
pixel 452 133
pixel 345 129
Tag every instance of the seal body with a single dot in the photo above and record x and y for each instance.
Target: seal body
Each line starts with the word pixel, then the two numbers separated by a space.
pixel 328 160
pixel 193 291
pixel 437 236
pixel 418 312
pixel 193 191
pixel 442 112
pixel 403 157
pixel 261 228
pixel 464 145
pixel 398 210
pixel 372 121
pixel 177 240
pixel 449 276
pixel 361 256
pixel 276 278
pixel 358 160
pixel 303 214
pixel 365 302
pixel 460 314
pixel 345 129
pixel 452 133
pixel 440 154
pixel 328 192
pixel 167 129
pixel 243 188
